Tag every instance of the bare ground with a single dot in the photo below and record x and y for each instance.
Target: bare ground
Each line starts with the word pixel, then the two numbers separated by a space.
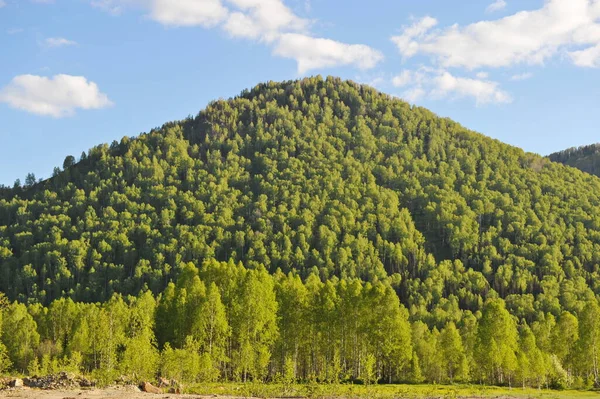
pixel 108 393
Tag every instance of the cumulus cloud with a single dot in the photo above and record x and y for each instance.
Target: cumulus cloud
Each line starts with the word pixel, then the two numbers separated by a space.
pixel 58 42
pixel 314 53
pixel 522 76
pixel 496 6
pixel 58 96
pixel 407 42
pixel 258 17
pixel 529 37
pixel 483 91
pixel 415 94
pixel 267 21
pixel 441 84
pixel 263 18
pixel 405 78
pixel 589 57
pixel 206 13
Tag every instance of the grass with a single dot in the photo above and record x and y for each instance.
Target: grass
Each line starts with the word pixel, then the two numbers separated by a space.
pixel 351 391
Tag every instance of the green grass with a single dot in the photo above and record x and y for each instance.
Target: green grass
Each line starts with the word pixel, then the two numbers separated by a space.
pixel 382 391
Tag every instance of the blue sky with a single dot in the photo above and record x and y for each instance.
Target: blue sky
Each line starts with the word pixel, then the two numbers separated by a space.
pixel 76 73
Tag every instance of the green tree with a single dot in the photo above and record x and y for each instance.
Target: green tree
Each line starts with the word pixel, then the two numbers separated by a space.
pixel 452 354
pixel 497 343
pixel 19 335
pixel 589 340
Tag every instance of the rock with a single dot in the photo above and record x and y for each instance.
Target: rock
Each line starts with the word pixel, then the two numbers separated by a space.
pixel 85 383
pixel 131 388
pixel 149 388
pixel 163 382
pixel 16 383
pixel 58 381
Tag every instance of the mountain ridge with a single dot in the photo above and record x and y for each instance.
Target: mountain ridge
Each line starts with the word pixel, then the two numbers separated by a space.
pixel 319 176
pixel 585 158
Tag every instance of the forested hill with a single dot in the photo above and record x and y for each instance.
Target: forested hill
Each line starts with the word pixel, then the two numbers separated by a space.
pixel 585 158
pixel 320 176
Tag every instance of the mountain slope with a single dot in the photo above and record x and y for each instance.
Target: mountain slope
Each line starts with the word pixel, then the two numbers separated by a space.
pixel 319 176
pixel 585 158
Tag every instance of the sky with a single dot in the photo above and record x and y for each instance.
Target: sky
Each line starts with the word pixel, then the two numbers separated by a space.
pixel 77 73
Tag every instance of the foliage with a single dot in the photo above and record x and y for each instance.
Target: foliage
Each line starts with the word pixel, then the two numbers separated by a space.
pixel 315 230
pixel 283 328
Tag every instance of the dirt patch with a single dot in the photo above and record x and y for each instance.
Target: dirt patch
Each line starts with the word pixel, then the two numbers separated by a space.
pixel 94 393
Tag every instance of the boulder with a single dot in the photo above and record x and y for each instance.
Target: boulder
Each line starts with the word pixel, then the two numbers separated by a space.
pixel 163 382
pixel 58 381
pixel 149 388
pixel 16 383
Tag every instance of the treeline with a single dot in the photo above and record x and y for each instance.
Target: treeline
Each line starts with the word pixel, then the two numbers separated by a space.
pixel 316 173
pixel 227 322
pixel 585 158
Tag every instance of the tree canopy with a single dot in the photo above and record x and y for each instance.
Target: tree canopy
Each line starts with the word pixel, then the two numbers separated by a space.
pixel 340 187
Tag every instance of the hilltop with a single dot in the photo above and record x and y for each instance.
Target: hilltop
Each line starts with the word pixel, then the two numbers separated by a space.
pixel 585 158
pixel 319 176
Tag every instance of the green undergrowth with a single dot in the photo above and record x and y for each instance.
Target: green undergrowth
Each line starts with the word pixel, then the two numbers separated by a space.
pixel 258 390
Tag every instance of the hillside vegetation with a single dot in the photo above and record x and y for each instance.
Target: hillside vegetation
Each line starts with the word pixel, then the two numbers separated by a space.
pixel 322 191
pixel 585 158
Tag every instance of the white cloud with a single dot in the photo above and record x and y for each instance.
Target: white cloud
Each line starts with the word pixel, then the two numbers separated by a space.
pixel 257 17
pixel 530 37
pixel 240 25
pixel 206 13
pixel 441 84
pixel 14 31
pixel 2 3
pixel 483 91
pixel 315 53
pixel 268 21
pixel 58 42
pixel 58 96
pixel 415 94
pixel 482 75
pixel 405 78
pixel 376 80
pixel 589 57
pixel 263 18
pixel 496 6
pixel 407 41
pixel 522 76
pixel 112 6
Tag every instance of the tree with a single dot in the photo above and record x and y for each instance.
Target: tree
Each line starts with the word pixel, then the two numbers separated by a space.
pixel 68 162
pixel 497 342
pixel 589 340
pixel 530 358
pixel 564 340
pixel 5 362
pixel 388 330
pixel 140 358
pixel 452 354
pixel 214 322
pixel 19 335
pixel 30 180
pixel 254 324
pixel 183 365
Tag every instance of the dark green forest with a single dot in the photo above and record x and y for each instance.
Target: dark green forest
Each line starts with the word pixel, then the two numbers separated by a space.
pixel 585 158
pixel 314 230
